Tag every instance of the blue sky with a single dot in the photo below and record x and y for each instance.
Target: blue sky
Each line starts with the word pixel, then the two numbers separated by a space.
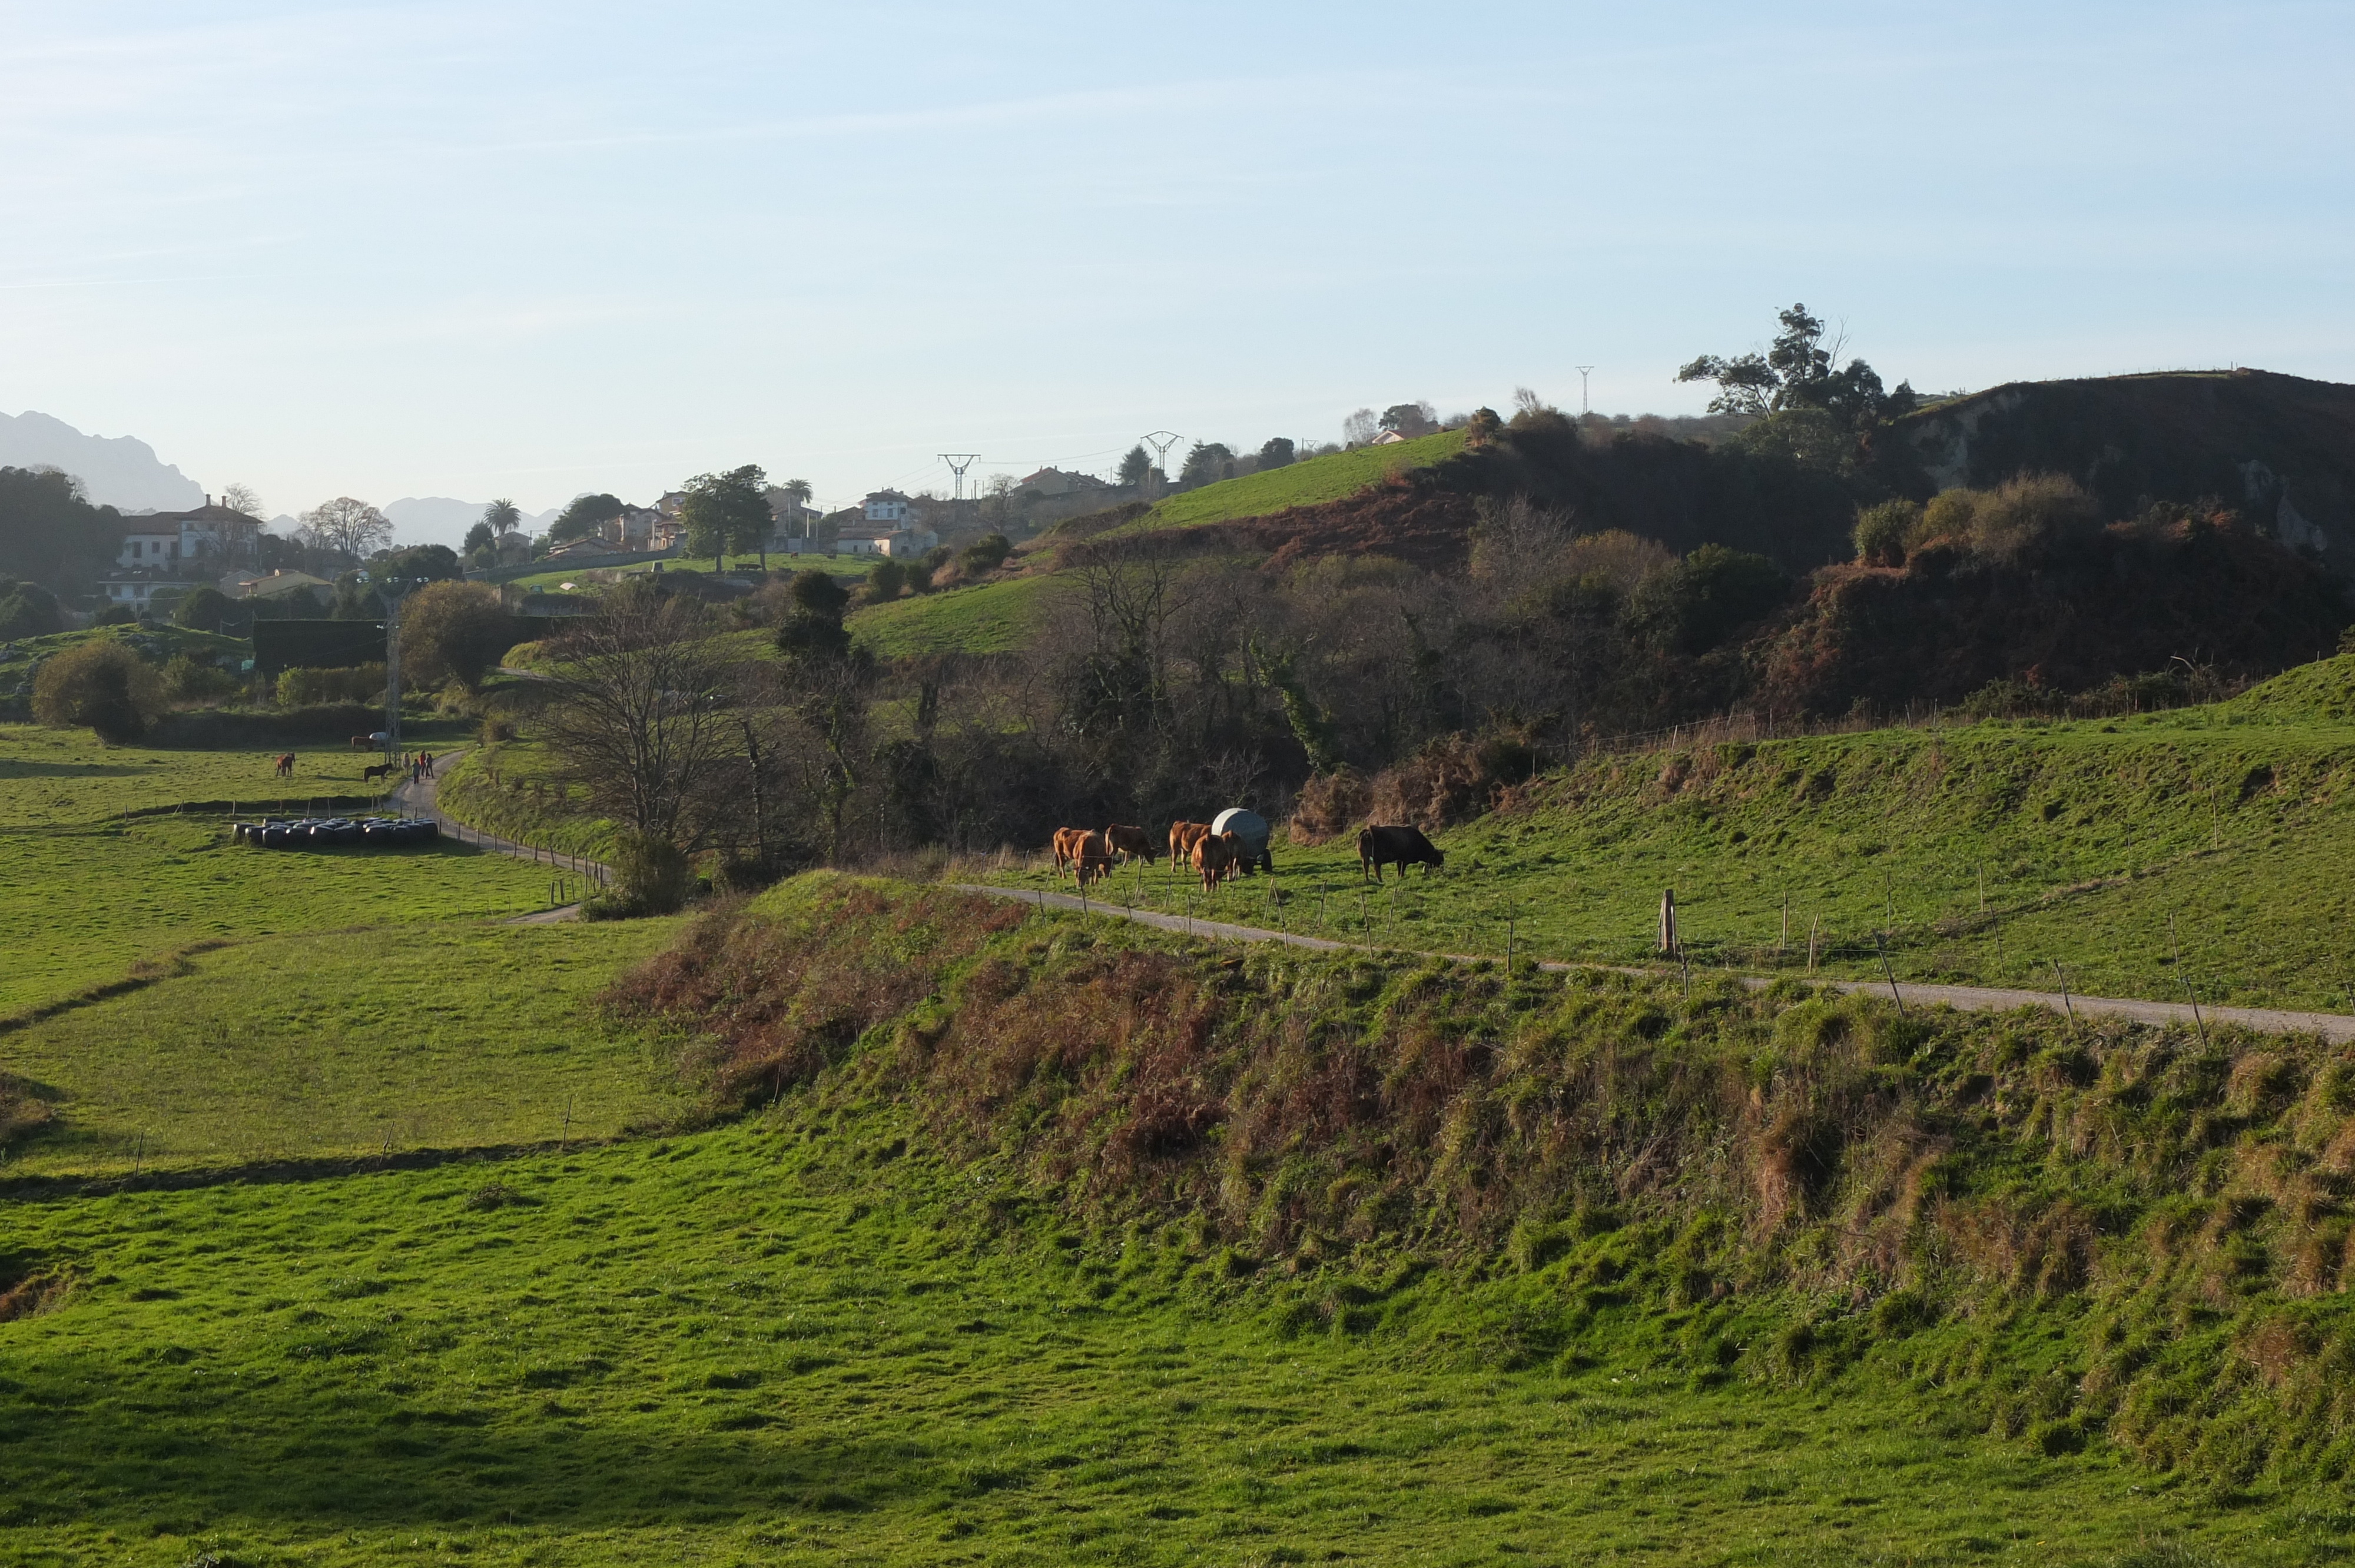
pixel 521 248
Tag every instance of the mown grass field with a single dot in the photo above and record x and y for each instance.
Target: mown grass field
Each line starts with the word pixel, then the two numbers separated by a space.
pixel 776 1343
pixel 1305 484
pixel 79 908
pixel 58 776
pixel 988 618
pixel 451 1035
pixel 2085 838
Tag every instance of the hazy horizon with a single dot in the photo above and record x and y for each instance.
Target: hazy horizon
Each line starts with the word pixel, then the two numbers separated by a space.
pixel 430 250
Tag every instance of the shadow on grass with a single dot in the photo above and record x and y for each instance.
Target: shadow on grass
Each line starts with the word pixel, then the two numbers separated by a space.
pixel 88 1447
pixel 19 769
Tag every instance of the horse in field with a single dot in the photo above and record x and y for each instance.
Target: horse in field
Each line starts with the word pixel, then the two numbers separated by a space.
pixel 379 770
pixel 282 765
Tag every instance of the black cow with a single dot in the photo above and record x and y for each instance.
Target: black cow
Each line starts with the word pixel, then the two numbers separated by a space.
pixel 1401 847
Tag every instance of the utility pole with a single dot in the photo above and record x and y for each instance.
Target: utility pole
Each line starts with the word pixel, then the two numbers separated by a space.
pixel 1583 406
pixel 958 462
pixel 392 590
pixel 1161 441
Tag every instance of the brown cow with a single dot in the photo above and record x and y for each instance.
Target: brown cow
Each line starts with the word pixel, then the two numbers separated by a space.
pixel 1183 837
pixel 1067 846
pixel 361 743
pixel 1130 841
pixel 1093 855
pixel 1215 857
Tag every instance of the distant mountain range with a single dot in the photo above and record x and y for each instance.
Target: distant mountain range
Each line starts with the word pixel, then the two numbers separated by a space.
pixel 122 472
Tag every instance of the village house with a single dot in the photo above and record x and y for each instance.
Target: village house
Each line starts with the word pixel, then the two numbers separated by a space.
pixel 166 550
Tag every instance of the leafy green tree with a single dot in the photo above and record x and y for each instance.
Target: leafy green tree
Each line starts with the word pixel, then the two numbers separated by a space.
pixel 480 542
pixel 1278 452
pixel 885 581
pixel 455 629
pixel 101 685
pixel 584 518
pixel 1207 462
pixel 1410 419
pixel 203 609
pixel 418 563
pixel 813 628
pixel 1797 371
pixel 28 609
pixel 1137 468
pixel 727 512
pixel 502 516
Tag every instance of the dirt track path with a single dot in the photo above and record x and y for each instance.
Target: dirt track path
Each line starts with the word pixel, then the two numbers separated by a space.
pixel 421 798
pixel 2266 1021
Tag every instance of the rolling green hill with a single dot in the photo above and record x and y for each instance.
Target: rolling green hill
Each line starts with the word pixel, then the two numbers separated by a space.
pixel 865 1222
pixel 1978 854
pixel 1305 484
pixel 988 618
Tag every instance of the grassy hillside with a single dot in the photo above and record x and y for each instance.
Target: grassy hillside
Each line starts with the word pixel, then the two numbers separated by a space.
pixel 20 661
pixel 973 1287
pixel 2085 839
pixel 989 618
pixel 1304 484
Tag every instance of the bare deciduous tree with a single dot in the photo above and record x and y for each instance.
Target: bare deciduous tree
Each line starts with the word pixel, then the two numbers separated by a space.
pixel 347 527
pixel 640 713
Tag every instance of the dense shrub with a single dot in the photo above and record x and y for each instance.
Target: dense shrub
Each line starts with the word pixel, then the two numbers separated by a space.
pixel 28 609
pixel 454 631
pixel 101 685
pixel 305 687
pixel 190 680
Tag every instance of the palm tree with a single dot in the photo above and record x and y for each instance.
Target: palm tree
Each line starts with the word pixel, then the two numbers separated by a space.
pixel 797 494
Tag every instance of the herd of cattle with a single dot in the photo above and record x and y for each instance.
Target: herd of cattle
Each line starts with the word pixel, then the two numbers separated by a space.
pixel 1236 845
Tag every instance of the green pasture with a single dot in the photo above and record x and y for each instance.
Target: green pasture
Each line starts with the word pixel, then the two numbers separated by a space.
pixel 787 1342
pixel 1305 484
pixel 61 777
pixel 988 618
pixel 587 577
pixel 446 1036
pixel 79 908
pixel 2083 839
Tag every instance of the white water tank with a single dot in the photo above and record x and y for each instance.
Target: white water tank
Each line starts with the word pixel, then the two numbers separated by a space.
pixel 1251 829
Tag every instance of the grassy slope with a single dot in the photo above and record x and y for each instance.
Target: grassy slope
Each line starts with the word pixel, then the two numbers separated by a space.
pixel 448 1035
pixel 20 659
pixel 1305 484
pixel 2089 836
pixel 819 1336
pixel 512 789
pixel 741 1347
pixel 989 618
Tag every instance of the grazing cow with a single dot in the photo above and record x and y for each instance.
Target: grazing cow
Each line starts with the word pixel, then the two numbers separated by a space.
pixel 1401 847
pixel 1066 847
pixel 1183 837
pixel 1092 856
pixel 1133 842
pixel 380 770
pixel 283 765
pixel 1215 859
